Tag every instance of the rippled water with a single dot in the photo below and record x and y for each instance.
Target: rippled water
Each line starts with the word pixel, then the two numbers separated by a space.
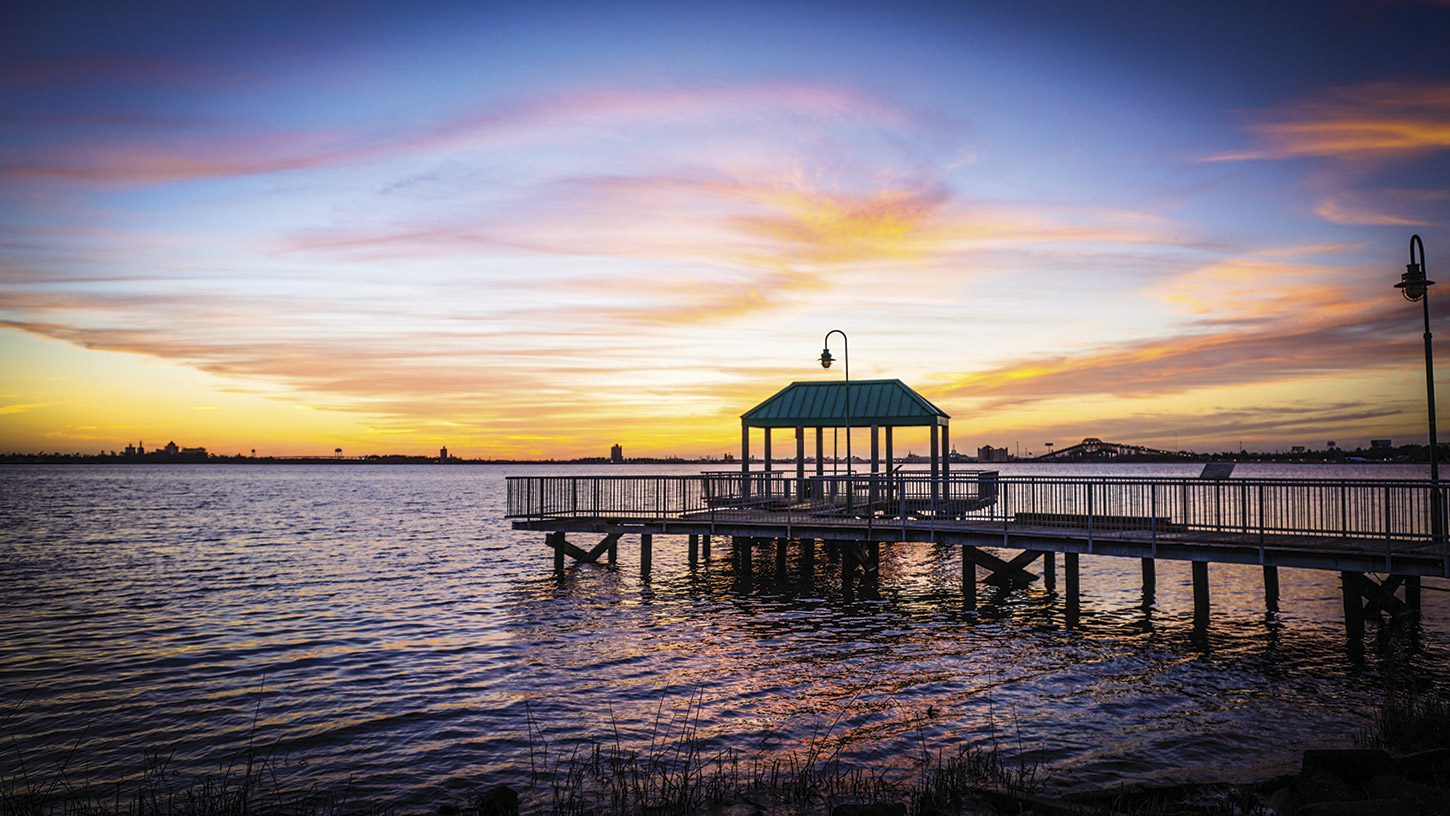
pixel 383 624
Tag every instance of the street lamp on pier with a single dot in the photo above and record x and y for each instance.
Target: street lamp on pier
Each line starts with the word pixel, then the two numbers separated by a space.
pixel 1416 287
pixel 826 360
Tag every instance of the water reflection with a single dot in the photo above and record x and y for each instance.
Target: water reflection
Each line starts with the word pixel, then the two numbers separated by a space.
pixel 384 624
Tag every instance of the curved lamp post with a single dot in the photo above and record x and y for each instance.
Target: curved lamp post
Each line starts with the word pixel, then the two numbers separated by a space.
pixel 1416 287
pixel 826 360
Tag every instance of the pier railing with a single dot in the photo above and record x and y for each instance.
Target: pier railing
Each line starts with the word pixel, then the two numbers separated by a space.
pixel 1385 510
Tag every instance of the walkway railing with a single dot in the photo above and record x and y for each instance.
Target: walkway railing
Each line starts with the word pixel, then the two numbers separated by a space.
pixel 1374 510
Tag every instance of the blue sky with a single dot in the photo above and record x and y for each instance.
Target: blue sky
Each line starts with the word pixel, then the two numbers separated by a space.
pixel 533 230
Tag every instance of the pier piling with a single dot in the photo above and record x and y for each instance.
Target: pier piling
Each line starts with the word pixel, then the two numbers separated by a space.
pixel 705 547
pixel 969 579
pixel 1049 570
pixel 556 541
pixel 694 549
pixel 1150 581
pixel 1412 595
pixel 646 553
pixel 1200 595
pixel 1349 583
pixel 1071 578
pixel 1271 588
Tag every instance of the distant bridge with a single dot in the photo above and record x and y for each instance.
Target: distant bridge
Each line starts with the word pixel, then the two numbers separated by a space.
pixel 1093 449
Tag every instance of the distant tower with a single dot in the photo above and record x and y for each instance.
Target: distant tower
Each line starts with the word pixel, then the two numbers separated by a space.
pixel 616 454
pixel 443 454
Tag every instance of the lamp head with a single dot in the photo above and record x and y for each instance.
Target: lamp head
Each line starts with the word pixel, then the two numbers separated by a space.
pixel 1413 284
pixel 826 358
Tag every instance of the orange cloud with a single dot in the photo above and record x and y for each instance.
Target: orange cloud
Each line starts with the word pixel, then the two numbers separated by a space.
pixel 1373 120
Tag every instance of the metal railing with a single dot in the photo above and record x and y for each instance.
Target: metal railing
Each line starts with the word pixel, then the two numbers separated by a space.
pixel 1387 510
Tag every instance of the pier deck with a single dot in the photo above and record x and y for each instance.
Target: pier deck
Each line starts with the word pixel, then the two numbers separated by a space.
pixel 1355 527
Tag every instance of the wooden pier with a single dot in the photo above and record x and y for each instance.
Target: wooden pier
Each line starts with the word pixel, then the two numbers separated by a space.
pixel 1376 533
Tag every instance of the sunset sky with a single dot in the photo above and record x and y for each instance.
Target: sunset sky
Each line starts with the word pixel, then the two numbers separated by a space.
pixel 535 229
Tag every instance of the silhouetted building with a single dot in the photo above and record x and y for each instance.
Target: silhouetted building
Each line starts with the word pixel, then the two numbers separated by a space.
pixel 194 452
pixel 987 453
pixel 171 449
pixel 443 454
pixel 1380 443
pixel 616 454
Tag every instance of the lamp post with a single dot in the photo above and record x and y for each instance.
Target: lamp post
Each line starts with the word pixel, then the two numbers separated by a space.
pixel 826 360
pixel 1416 287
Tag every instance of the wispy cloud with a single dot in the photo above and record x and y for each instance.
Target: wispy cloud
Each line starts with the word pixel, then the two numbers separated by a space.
pixel 1369 121
pixel 173 149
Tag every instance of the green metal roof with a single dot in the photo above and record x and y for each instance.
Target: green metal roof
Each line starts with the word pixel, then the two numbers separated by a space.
pixel 823 405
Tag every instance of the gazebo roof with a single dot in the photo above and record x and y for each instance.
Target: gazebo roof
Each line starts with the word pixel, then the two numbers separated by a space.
pixel 823 405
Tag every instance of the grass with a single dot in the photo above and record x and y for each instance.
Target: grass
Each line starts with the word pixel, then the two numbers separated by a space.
pixel 673 774
pixel 1409 720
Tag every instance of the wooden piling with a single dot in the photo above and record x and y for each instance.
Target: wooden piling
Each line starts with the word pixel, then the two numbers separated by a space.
pixel 780 554
pixel 1412 595
pixel 555 540
pixel 1049 570
pixel 694 549
pixel 1271 588
pixel 1070 576
pixel 969 580
pixel 612 553
pixel 705 547
pixel 848 570
pixel 1200 595
pixel 646 553
pixel 808 556
pixel 1353 593
pixel 1150 581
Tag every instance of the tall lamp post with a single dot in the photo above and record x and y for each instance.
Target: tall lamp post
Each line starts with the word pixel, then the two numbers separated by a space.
pixel 1416 287
pixel 826 360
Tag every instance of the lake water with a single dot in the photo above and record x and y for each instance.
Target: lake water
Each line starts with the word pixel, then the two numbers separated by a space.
pixel 384 625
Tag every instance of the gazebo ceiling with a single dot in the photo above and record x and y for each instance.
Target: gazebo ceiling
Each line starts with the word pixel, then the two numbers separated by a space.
pixel 888 403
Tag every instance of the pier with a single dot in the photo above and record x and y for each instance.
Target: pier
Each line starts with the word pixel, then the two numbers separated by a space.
pixel 1379 535
pixel 1011 529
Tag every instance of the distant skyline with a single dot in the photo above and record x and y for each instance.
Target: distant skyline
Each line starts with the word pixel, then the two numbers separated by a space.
pixel 534 230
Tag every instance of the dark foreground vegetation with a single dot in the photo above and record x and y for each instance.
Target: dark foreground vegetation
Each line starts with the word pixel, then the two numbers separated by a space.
pixel 1401 767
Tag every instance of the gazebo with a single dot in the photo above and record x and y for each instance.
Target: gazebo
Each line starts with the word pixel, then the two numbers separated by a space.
pixel 874 404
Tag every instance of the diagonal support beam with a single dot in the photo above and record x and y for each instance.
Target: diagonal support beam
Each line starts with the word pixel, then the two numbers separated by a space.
pixel 560 544
pixel 602 547
pixel 1380 597
pixel 1004 573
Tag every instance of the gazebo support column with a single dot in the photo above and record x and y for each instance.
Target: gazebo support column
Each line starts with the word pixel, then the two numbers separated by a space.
pixel 890 489
pixel 744 460
pixel 800 462
pixel 935 468
pixel 820 451
pixel 875 463
pixel 946 464
pixel 765 480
